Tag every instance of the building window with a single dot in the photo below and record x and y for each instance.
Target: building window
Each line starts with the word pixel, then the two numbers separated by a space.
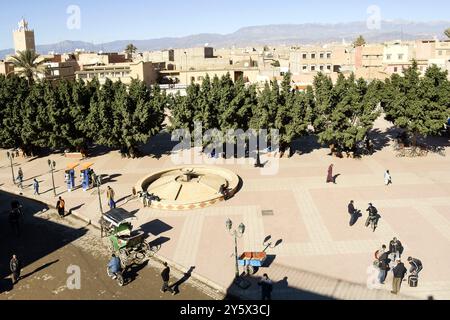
pixel 400 56
pixel 329 55
pixel 329 67
pixel 322 55
pixel 313 55
pixel 440 52
pixel 304 56
pixel 305 68
pixel 321 68
pixel 388 56
pixel 395 69
pixel 313 68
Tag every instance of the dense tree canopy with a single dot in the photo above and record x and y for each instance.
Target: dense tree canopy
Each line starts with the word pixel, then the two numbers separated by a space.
pixel 73 115
pixel 420 105
pixel 349 113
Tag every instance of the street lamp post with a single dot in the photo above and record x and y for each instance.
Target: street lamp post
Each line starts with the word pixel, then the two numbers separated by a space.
pixel 52 166
pixel 98 183
pixel 11 158
pixel 237 233
pixel 258 157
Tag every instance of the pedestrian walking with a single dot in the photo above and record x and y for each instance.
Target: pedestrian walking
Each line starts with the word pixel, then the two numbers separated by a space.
pixel 15 267
pixel 266 287
pixel 60 206
pixel 396 248
pixel 354 214
pixel 373 217
pixel 387 178
pixel 399 272
pixel 36 187
pixel 110 196
pixel 330 177
pixel 165 275
pixel 14 217
pixel 20 178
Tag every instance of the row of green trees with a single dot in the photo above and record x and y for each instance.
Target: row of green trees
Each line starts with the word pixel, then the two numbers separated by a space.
pixel 74 115
pixel 340 114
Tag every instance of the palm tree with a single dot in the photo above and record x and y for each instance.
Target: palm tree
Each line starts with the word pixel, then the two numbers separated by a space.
pixel 447 32
pixel 130 49
pixel 29 64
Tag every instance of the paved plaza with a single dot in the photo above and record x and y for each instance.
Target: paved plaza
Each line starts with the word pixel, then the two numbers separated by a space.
pixel 318 250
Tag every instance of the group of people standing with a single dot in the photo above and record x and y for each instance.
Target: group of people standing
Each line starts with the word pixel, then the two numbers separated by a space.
pixel 387 259
pixel 373 216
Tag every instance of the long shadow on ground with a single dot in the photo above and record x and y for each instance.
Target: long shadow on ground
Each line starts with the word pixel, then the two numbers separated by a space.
pixel 35 241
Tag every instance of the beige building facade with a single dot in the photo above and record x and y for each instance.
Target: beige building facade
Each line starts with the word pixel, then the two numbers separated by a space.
pixel 124 72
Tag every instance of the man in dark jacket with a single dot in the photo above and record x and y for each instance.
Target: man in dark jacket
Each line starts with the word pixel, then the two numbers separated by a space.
pixel 399 273
pixel 266 287
pixel 396 247
pixel 416 266
pixel 354 214
pixel 384 266
pixel 351 207
pixel 60 206
pixel 165 275
pixel 14 266
pixel 373 215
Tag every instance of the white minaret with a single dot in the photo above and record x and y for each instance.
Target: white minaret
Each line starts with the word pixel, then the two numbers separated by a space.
pixel 24 37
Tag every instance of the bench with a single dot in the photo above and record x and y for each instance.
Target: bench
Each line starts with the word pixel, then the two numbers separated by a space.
pixel 74 155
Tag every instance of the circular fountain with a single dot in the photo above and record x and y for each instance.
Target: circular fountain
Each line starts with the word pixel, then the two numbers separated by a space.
pixel 188 188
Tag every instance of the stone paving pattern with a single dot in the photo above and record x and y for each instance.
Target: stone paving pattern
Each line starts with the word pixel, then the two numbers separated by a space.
pixel 318 248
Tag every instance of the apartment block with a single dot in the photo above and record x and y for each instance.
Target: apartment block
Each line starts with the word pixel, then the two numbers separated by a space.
pixel 124 72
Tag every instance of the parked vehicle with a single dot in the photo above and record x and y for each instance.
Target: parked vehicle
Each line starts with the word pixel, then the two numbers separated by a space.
pixel 128 244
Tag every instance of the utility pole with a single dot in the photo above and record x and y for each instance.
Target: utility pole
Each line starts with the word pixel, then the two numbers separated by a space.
pixel 98 182
pixel 11 157
pixel 52 166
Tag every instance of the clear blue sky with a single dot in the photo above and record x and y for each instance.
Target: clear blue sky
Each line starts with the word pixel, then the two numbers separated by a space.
pixel 108 20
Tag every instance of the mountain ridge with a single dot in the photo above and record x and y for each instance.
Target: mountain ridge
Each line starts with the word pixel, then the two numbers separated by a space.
pixel 271 34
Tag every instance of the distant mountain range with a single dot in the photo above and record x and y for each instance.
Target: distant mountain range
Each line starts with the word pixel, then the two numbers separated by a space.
pixel 289 34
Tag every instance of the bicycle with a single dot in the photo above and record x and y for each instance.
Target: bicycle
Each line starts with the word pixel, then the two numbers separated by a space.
pixel 401 153
pixel 439 150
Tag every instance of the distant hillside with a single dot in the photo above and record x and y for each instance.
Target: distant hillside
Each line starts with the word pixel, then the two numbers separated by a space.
pixel 270 34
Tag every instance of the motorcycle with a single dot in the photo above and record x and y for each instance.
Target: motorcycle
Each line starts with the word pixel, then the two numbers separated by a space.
pixel 118 276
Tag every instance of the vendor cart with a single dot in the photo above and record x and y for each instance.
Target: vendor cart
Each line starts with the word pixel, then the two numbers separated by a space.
pixel 252 261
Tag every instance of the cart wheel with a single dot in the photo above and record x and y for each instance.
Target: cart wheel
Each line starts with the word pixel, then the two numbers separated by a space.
pixel 123 256
pixel 152 249
pixel 139 257
pixel 120 280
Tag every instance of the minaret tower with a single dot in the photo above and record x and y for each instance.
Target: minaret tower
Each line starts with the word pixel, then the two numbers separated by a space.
pixel 24 37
